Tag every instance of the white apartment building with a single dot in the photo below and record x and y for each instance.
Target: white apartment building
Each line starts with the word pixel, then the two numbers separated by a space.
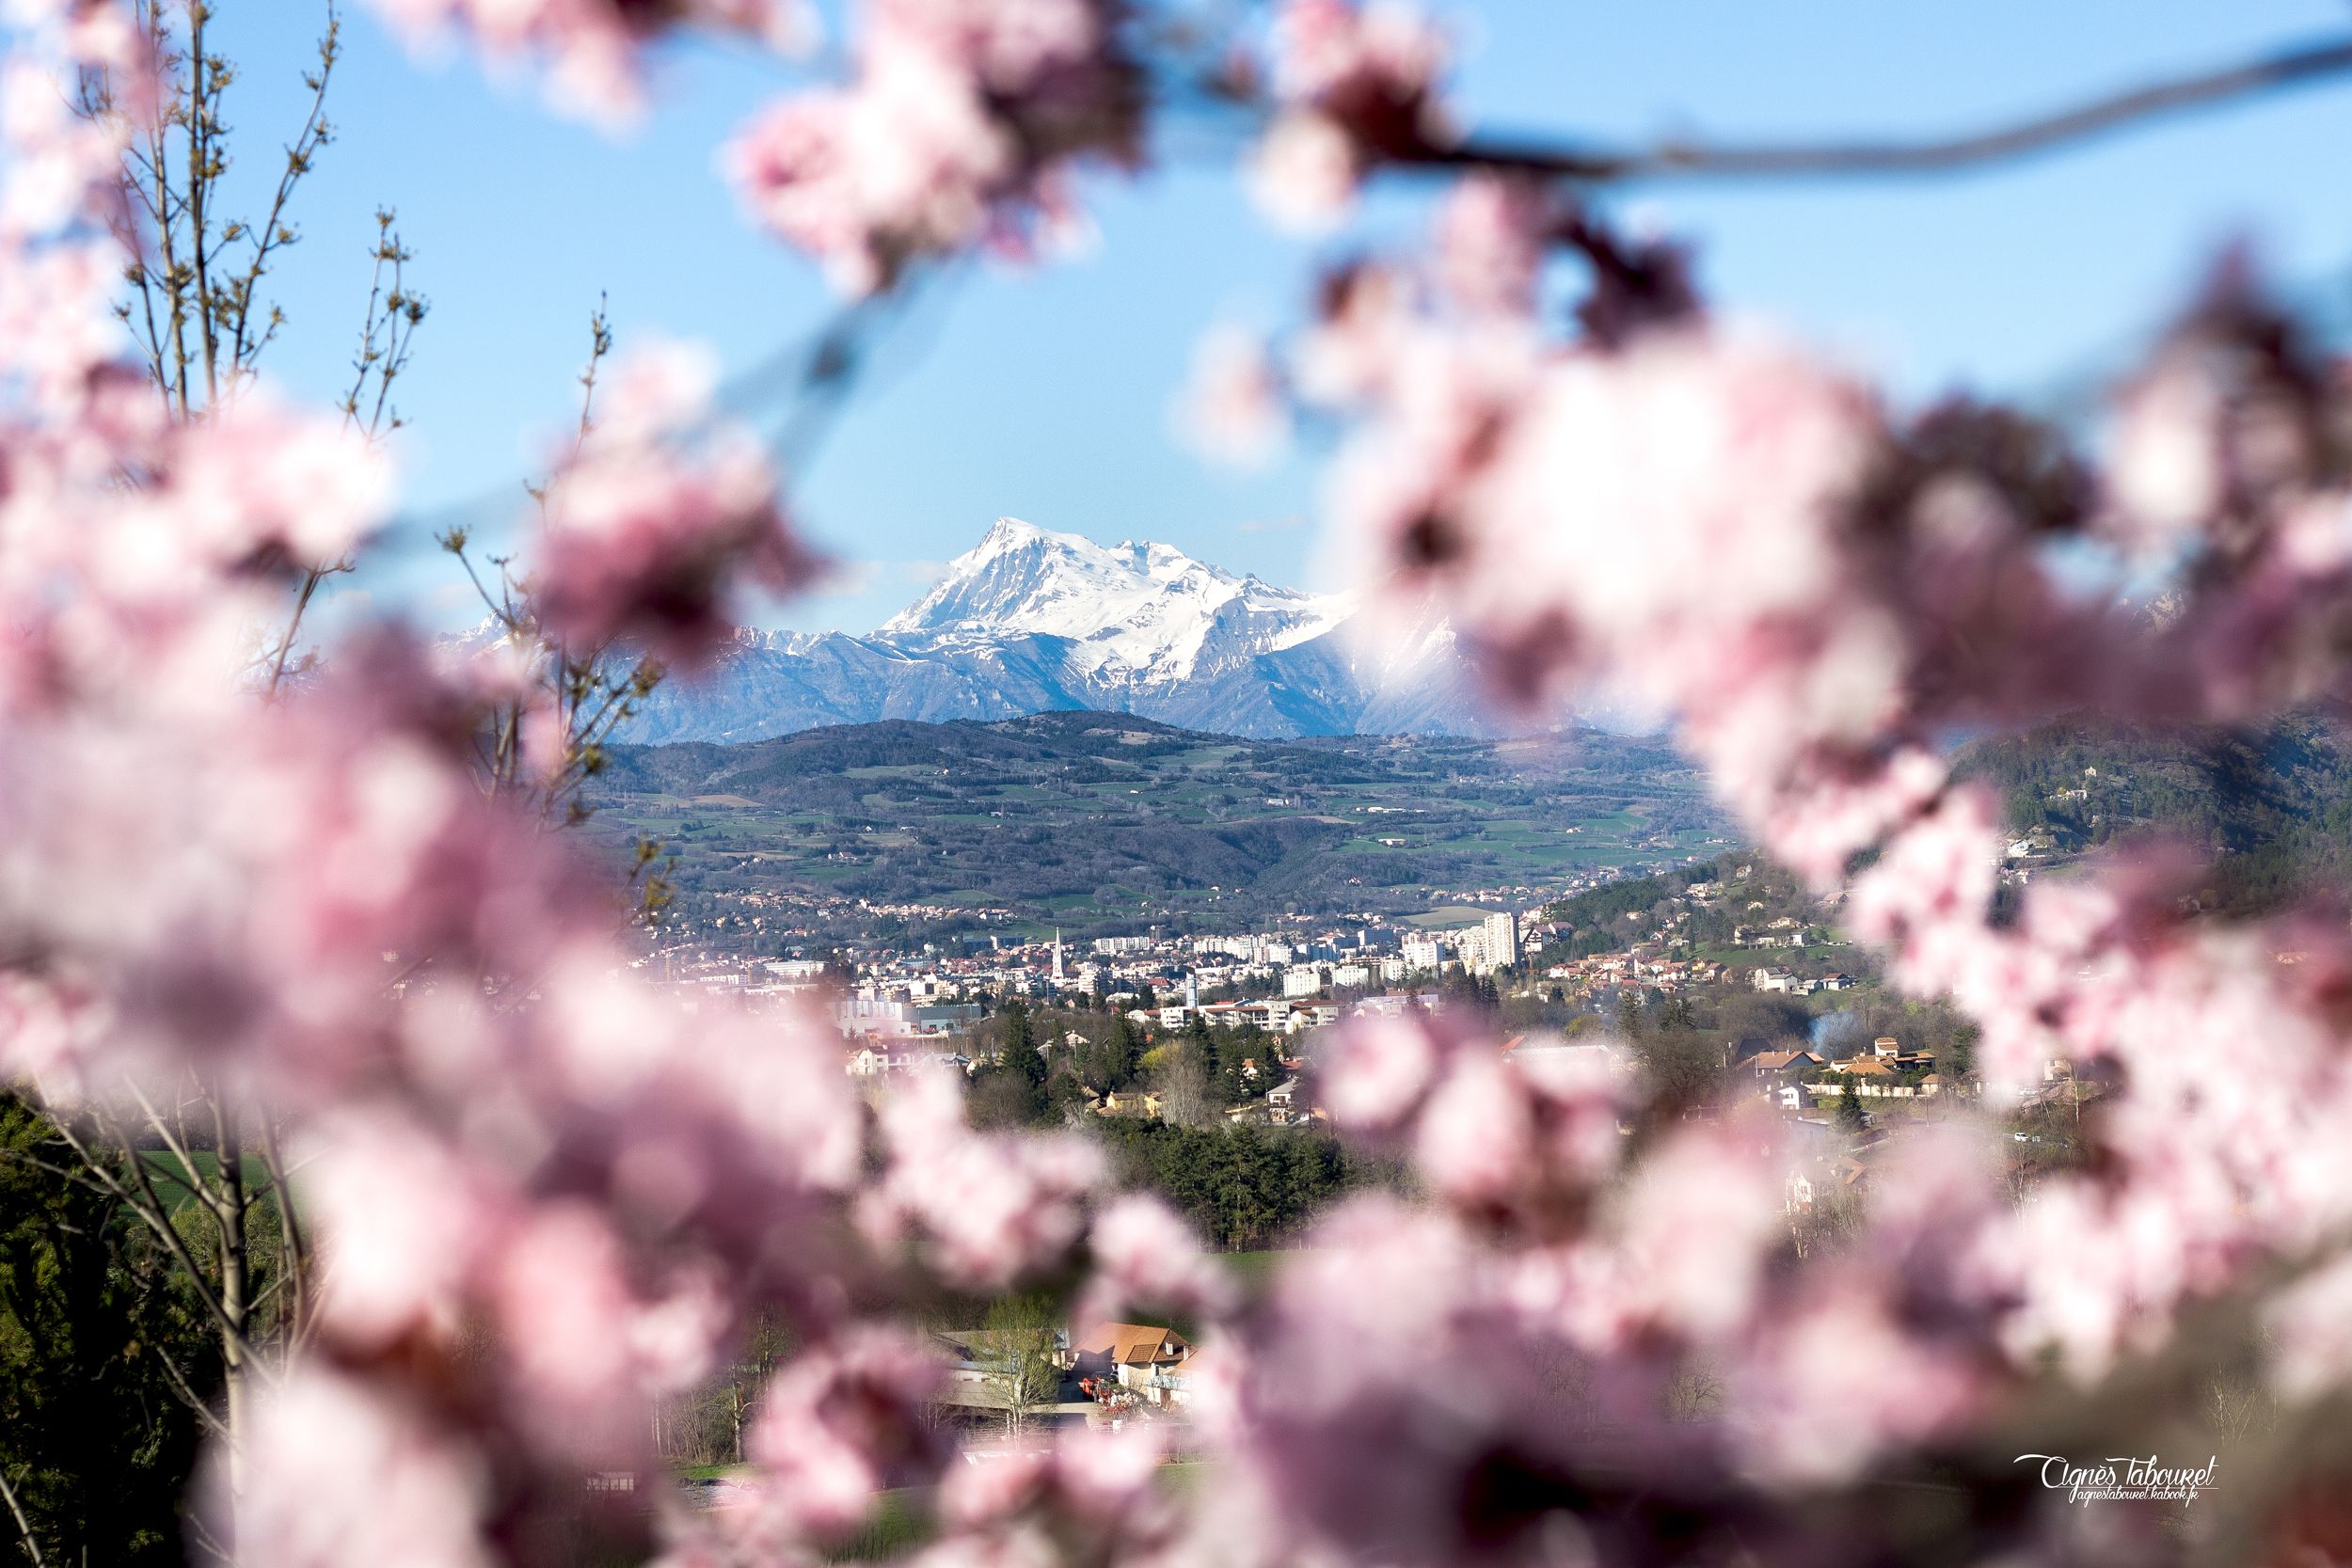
pixel 870 1015
pixel 1501 934
pixel 1422 952
pixel 1301 980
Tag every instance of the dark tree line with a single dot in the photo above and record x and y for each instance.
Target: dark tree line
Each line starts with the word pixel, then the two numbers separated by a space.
pixel 1244 1187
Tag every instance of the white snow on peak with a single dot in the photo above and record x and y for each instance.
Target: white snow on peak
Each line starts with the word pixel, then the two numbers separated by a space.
pixel 1136 610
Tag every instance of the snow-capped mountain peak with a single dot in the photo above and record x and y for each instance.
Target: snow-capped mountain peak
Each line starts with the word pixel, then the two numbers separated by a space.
pixel 1029 620
pixel 1134 609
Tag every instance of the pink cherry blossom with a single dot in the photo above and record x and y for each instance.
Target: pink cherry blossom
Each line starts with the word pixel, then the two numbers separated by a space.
pixel 346 1475
pixel 841 1423
pixel 595 50
pixel 1233 410
pixel 1304 173
pixel 1490 244
pixel 960 129
pixel 654 519
pixel 980 1209
pixel 1380 1067
pixel 1146 1255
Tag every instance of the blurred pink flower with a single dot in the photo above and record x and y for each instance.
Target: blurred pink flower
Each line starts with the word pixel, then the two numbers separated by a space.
pixel 654 520
pixel 1146 1255
pixel 960 129
pixel 1233 411
pixel 980 1209
pixel 1378 1070
pixel 1490 244
pixel 595 50
pixel 344 1474
pixel 839 1423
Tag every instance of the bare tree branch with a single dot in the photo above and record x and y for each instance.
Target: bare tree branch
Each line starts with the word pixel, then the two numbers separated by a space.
pixel 140 1196
pixel 295 1252
pixel 1843 159
pixel 23 1526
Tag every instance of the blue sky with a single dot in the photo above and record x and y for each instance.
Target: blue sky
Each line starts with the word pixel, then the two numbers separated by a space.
pixel 1044 394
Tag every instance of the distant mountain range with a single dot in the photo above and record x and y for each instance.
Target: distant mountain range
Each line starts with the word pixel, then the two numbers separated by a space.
pixel 1034 621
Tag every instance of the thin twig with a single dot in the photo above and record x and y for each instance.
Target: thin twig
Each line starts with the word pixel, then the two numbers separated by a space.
pixel 2042 132
pixel 201 1534
pixel 273 233
pixel 194 1401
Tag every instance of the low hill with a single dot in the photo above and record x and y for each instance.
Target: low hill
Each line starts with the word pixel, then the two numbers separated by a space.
pixel 1105 821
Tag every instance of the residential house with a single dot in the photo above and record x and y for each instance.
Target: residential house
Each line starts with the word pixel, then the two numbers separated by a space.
pixel 1128 1355
pixel 1286 1100
pixel 1181 1384
pixel 1769 1064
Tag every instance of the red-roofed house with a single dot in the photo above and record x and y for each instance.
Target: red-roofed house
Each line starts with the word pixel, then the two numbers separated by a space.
pixel 1134 1355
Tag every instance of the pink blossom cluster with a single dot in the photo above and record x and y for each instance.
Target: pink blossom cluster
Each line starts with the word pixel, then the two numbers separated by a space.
pixel 964 126
pixel 658 517
pixel 1353 84
pixel 1594 1335
pixel 542 1194
pixel 1718 524
pixel 593 51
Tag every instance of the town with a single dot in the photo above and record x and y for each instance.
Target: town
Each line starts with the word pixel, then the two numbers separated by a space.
pixel 1721 978
pixel 1721 985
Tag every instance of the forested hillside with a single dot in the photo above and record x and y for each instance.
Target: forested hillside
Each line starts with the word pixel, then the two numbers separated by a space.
pixel 2272 807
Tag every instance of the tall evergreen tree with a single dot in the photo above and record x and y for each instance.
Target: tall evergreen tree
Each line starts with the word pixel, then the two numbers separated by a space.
pixel 1020 1052
pixel 1120 1054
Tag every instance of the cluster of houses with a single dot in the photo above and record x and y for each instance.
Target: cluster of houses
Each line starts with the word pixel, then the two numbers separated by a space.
pixel 1064 1377
pixel 1884 1071
pixel 1580 979
pixel 1782 982
pixel 886 1038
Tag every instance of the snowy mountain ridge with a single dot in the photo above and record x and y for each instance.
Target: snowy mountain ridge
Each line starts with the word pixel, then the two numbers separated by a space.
pixel 1143 610
pixel 1032 621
